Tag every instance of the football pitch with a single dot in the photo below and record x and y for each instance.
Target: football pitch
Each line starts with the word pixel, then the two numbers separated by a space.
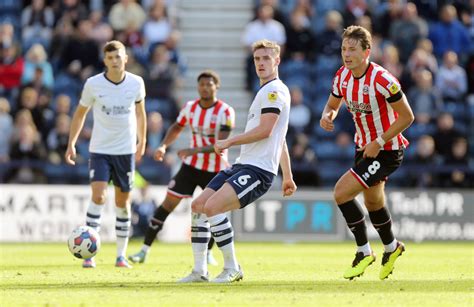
pixel 275 274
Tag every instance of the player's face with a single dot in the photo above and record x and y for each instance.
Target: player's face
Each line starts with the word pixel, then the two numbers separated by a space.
pixel 266 64
pixel 352 54
pixel 207 88
pixel 115 60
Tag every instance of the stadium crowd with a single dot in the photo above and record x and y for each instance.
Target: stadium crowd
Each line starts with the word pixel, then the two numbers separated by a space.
pixel 49 49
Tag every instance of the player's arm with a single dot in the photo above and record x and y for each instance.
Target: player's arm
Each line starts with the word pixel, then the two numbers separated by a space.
pixel 76 126
pixel 330 112
pixel 141 129
pixel 223 134
pixel 268 121
pixel 404 120
pixel 288 186
pixel 171 135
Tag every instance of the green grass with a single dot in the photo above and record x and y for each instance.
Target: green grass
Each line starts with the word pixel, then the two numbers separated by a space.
pixel 428 274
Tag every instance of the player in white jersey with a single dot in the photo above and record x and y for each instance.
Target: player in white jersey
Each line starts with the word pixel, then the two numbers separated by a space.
pixel 210 119
pixel 117 99
pixel 381 112
pixel 264 147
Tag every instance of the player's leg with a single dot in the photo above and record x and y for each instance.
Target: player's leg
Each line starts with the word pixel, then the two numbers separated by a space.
pixel 123 168
pixel 200 235
pixel 345 191
pixel 380 218
pixel 99 176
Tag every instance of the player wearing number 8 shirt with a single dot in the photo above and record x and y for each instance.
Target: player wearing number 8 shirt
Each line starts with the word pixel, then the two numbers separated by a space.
pixel 380 112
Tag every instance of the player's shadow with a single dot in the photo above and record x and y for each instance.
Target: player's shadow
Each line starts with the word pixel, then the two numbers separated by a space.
pixel 356 286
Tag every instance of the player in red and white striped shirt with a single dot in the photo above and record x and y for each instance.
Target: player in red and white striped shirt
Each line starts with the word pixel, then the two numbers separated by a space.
pixel 380 112
pixel 210 119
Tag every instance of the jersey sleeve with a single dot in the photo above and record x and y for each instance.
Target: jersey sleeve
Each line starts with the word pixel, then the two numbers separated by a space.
pixel 182 118
pixel 87 97
pixel 336 84
pixel 141 91
pixel 389 87
pixel 272 100
pixel 227 120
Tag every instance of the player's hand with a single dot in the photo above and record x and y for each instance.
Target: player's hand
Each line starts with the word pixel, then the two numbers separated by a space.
pixel 327 121
pixel 220 146
pixel 288 187
pixel 141 146
pixel 184 153
pixel 70 155
pixel 160 153
pixel 370 150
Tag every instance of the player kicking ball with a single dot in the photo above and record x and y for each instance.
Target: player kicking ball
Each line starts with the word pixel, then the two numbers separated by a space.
pixel 381 113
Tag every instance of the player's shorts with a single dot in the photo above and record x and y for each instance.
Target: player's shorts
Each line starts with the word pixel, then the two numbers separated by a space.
pixel 370 172
pixel 118 168
pixel 187 179
pixel 249 182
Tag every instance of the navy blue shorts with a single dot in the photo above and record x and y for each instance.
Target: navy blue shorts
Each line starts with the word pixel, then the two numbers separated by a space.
pixel 370 172
pixel 249 182
pixel 118 168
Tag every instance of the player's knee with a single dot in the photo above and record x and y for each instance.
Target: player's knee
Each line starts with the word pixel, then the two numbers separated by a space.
pixel 197 205
pixel 99 199
pixel 339 195
pixel 210 210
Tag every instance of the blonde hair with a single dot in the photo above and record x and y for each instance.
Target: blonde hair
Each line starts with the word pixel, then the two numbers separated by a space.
pixel 113 46
pixel 360 34
pixel 265 43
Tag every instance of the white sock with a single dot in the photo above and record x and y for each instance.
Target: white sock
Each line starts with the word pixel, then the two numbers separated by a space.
pixel 223 234
pixel 200 235
pixel 93 215
pixel 365 249
pixel 391 246
pixel 122 229
pixel 145 248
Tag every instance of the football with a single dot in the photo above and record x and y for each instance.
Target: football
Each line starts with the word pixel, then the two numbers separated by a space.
pixel 84 242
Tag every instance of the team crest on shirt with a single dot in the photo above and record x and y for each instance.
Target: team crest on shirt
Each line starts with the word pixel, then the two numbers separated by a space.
pixel 393 88
pixel 272 96
pixel 365 89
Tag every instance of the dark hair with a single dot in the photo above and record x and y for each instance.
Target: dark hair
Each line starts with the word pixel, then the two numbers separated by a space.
pixel 113 46
pixel 210 74
pixel 360 34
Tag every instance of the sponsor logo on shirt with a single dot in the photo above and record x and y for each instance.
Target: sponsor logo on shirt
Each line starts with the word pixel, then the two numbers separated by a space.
pixel 393 88
pixel 359 107
pixel 272 96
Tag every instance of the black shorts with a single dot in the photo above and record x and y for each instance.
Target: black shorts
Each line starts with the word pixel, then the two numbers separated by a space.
pixel 118 168
pixel 248 181
pixel 187 179
pixel 370 172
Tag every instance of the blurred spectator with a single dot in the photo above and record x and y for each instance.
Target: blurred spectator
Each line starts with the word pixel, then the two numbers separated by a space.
pixel 6 126
pixel 11 69
pixel 451 79
pixel 391 61
pixel 445 134
pixel 425 100
pixel 304 163
pixel 406 32
pixel 354 10
pixel 424 161
pixel 300 38
pixel 392 14
pixel 419 60
pixel 329 41
pixel 124 13
pixel 467 19
pixel 175 56
pixel 57 139
pixel 300 114
pixel 449 34
pixel 143 208
pixel 133 65
pixel 278 14
pixel 101 32
pixel 458 159
pixel 306 9
pixel 36 58
pixel 157 27
pixel 63 31
pixel 63 105
pixel 71 10
pixel 154 132
pixel 263 27
pixel 37 22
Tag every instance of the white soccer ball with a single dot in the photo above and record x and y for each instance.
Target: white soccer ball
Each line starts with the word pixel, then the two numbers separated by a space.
pixel 84 242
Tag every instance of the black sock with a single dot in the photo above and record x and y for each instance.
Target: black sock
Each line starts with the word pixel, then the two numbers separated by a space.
pixel 211 243
pixel 155 225
pixel 383 224
pixel 355 220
